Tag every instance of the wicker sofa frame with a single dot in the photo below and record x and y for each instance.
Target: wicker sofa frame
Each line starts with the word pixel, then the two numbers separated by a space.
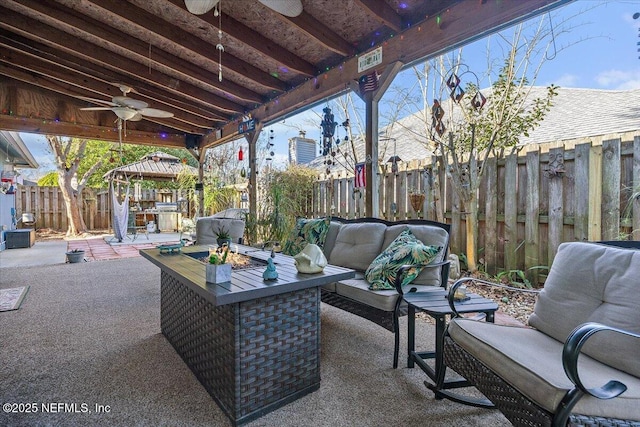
pixel 518 408
pixel 389 320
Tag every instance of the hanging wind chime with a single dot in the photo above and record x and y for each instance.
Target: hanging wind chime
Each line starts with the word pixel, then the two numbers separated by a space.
pixel 328 126
pixel 218 12
pixel 243 171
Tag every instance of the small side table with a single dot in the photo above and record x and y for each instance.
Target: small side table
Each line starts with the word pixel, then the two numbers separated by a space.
pixel 436 305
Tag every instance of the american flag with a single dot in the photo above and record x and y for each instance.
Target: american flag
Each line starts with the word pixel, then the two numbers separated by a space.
pixel 369 82
pixel 360 180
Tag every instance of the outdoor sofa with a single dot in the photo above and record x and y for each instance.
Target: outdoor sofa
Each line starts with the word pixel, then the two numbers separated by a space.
pixel 355 244
pixel 578 362
pixel 230 220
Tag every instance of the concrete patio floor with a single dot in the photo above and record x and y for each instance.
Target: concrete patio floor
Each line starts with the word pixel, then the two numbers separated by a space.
pixel 97 248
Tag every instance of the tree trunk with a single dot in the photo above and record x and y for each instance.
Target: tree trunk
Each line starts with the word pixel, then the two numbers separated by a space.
pixel 471 226
pixel 76 224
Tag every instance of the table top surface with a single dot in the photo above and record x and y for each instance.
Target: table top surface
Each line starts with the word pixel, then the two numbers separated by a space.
pixel 246 284
pixel 435 303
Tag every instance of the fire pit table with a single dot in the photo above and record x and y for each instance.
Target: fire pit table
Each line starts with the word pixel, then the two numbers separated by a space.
pixel 253 344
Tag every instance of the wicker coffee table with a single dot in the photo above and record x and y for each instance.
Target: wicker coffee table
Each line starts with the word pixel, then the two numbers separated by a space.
pixel 254 345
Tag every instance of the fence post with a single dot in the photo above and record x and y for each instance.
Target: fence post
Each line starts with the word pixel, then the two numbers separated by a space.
pixel 611 189
pixel 582 175
pixel 556 204
pixel 510 212
pixel 532 215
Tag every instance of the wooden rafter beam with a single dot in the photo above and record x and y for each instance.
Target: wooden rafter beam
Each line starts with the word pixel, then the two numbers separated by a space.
pixel 321 33
pixel 102 133
pixel 80 71
pixel 463 21
pixel 60 16
pixel 384 12
pixel 63 88
pixel 133 16
pixel 89 52
pixel 254 40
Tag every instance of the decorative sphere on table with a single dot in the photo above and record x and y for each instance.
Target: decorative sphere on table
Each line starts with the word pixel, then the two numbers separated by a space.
pixel 270 273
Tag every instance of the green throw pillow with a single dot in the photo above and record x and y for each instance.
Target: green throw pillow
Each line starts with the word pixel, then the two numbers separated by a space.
pixel 405 249
pixel 306 231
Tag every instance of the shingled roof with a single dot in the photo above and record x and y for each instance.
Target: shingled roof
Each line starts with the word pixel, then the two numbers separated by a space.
pixel 157 165
pixel 576 114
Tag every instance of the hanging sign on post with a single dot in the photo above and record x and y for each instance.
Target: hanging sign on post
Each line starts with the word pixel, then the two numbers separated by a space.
pixel 370 59
pixel 247 126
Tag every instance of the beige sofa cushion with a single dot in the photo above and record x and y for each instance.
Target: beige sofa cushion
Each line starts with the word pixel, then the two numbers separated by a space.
pixel 206 228
pixel 357 245
pixel 358 290
pixel 532 363
pixel 429 235
pixel 590 282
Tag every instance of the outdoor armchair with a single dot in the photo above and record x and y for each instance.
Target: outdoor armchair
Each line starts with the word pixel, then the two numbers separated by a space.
pixel 576 363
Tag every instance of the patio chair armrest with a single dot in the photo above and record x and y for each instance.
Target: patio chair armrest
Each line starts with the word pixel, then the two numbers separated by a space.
pixel 463 280
pixel 571 352
pixel 402 270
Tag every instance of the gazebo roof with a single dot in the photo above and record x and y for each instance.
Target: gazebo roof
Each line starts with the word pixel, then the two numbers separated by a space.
pixel 157 165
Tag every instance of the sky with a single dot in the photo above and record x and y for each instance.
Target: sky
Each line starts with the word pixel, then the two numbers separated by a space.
pixel 595 46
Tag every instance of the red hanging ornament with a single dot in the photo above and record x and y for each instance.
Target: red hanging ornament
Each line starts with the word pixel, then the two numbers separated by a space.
pixel 240 154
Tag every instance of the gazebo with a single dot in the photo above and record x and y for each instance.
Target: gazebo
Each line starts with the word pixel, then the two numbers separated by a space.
pixel 164 214
pixel 157 166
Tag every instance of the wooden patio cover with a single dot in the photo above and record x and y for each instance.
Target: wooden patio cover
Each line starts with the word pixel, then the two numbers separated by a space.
pixel 56 53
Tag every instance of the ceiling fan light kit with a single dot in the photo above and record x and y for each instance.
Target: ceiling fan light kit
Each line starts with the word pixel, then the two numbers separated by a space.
pixel 290 8
pixel 200 7
pixel 124 113
pixel 128 109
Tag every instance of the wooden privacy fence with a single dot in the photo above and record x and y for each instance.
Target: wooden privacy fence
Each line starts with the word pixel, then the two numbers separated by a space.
pixel 528 203
pixel 47 205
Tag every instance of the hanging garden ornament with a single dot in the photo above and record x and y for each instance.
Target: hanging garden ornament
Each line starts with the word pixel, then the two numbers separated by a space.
pixel 112 160
pixel 478 101
pixel 453 81
pixel 272 153
pixel 440 128
pixel 243 172
pixel 457 94
pixel 240 155
pixel 394 167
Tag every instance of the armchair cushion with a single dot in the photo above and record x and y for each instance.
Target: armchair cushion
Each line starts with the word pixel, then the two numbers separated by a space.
pixel 532 361
pixel 405 249
pixel 306 231
pixel 602 288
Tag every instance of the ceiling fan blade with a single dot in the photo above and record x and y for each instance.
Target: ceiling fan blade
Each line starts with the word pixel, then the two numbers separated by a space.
pixel 129 102
pixel 96 109
pixel 290 8
pixel 97 101
pixel 153 112
pixel 200 7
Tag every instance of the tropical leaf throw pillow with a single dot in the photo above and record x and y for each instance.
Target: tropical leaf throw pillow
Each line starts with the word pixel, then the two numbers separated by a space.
pixel 306 231
pixel 405 249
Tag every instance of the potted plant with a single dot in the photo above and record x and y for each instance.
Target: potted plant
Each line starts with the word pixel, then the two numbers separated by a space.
pixel 75 255
pixel 416 198
pixel 222 236
pixel 218 271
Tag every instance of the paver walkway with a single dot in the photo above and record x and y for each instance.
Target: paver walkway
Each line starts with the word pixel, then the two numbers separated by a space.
pixel 98 249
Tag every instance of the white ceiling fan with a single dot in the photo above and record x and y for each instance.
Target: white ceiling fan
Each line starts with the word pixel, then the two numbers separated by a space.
pixel 291 8
pixel 128 109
